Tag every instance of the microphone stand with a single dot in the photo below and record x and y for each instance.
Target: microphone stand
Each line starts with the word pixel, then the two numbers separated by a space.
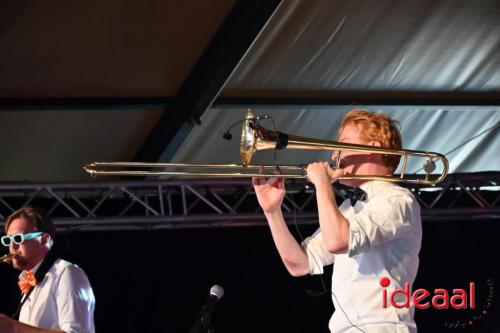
pixel 203 324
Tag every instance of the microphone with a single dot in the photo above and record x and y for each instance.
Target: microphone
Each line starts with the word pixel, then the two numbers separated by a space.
pixel 227 134
pixel 204 322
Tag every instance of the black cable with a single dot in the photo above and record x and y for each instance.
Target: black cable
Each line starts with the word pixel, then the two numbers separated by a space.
pixel 325 289
pixel 227 134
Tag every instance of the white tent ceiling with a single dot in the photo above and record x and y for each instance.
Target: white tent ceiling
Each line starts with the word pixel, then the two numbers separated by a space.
pixel 433 65
pixel 447 130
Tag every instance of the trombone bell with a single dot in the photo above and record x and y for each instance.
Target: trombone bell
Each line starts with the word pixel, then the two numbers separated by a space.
pixel 254 138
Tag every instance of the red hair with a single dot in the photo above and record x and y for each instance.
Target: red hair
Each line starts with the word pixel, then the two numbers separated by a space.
pixel 377 127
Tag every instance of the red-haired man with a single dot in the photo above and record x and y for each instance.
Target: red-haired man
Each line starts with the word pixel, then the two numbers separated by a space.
pixel 366 240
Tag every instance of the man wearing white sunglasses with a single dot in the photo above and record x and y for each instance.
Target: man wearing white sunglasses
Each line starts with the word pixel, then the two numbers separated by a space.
pixel 56 295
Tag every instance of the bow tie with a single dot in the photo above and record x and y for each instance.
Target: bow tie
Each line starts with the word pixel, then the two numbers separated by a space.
pixel 354 194
pixel 27 281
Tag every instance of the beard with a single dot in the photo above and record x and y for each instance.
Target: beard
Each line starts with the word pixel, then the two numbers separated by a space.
pixel 19 263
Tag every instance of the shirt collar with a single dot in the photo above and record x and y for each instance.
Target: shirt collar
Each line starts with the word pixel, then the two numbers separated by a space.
pixel 373 187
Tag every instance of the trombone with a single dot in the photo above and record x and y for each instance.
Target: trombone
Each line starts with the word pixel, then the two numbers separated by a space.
pixel 254 138
pixel 7 259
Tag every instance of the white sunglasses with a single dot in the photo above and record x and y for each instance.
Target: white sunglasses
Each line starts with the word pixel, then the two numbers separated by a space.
pixel 19 238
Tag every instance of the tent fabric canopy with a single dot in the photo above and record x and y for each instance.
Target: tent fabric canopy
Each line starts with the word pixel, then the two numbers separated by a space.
pixel 332 47
pixel 432 65
pixel 443 129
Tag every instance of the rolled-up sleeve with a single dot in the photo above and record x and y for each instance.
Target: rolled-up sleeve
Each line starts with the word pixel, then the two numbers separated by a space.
pixel 317 254
pixel 381 221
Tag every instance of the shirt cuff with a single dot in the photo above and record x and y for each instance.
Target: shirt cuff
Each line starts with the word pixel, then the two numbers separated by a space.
pixel 71 327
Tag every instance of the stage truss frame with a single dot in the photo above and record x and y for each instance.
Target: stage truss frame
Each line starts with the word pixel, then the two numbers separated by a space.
pixel 218 202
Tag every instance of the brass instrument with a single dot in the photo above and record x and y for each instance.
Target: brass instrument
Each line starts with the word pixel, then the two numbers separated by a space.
pixel 7 259
pixel 256 138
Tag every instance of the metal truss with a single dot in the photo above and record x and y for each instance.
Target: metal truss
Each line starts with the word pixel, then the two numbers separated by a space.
pixel 209 202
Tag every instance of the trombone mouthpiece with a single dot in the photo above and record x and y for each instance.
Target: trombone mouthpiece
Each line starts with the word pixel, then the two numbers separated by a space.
pixel 7 259
pixel 89 168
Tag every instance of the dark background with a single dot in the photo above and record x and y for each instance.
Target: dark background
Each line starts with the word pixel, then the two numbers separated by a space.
pixel 157 281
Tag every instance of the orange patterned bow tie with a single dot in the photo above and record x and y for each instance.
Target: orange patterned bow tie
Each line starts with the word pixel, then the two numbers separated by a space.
pixel 27 281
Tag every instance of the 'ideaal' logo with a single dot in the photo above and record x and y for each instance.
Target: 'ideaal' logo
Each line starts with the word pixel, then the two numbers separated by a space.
pixel 440 299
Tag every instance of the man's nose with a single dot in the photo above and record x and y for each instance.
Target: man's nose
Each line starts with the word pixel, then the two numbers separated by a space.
pixel 13 247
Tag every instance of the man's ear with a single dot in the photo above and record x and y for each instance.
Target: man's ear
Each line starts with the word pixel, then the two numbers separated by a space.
pixel 375 144
pixel 46 239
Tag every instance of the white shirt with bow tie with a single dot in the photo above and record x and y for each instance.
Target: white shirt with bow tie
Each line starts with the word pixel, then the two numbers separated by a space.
pixel 385 234
pixel 63 300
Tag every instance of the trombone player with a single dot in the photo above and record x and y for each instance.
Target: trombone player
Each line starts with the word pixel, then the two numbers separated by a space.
pixel 374 235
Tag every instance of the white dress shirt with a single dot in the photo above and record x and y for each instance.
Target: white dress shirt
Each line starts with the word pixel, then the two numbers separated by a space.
pixel 63 300
pixel 385 234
